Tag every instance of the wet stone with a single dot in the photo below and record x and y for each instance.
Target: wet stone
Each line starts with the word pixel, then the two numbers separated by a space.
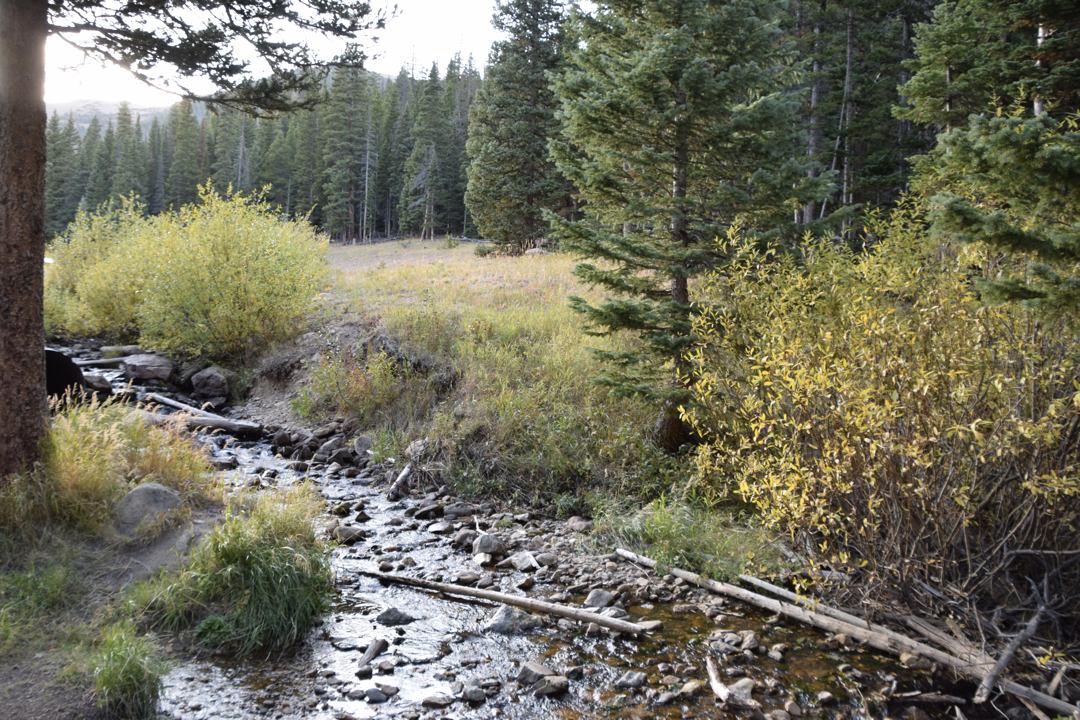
pixel 488 544
pixel 631 679
pixel 792 708
pixel 551 685
pixel 511 621
pixel 599 599
pixel 825 698
pixel 532 671
pixel 438 701
pixel 374 695
pixel 392 617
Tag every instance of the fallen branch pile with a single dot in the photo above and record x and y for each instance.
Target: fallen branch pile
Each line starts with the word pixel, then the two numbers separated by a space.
pixel 971 663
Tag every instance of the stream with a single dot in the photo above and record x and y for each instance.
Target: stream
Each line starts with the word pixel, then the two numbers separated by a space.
pixel 445 663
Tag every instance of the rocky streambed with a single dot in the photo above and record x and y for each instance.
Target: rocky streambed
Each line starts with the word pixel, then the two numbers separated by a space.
pixel 385 650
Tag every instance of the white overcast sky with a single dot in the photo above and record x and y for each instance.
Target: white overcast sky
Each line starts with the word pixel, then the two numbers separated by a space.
pixel 422 32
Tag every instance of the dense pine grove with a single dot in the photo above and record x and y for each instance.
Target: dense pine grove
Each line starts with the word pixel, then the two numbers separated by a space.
pixel 445 151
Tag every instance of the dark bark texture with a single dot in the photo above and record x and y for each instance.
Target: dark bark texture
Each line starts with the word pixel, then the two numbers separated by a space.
pixel 23 404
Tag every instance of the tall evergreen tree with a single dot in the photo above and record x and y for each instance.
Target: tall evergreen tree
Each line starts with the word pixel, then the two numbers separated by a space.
pixel 307 166
pixel 677 127
pixel 61 147
pixel 182 182
pixel 348 151
pixel 156 171
pixel 129 170
pixel 422 191
pixel 99 186
pixel 88 149
pixel 511 179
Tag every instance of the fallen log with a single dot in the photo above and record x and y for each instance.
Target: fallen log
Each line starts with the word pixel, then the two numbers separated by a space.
pixel 177 405
pixel 515 600
pixel 894 643
pixel 201 422
pixel 101 362
pixel 374 649
pixel 987 684
pixel 725 694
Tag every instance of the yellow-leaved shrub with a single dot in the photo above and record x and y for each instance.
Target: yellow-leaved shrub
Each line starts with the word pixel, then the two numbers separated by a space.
pixel 222 278
pixel 896 426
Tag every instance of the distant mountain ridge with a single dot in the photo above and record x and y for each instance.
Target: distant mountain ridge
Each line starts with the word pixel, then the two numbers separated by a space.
pixel 83 111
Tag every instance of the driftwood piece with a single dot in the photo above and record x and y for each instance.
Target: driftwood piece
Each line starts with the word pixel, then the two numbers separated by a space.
pixel 515 600
pixel 400 488
pixel 374 649
pixel 987 684
pixel 895 644
pixel 101 362
pixel 199 422
pixel 177 405
pixel 725 694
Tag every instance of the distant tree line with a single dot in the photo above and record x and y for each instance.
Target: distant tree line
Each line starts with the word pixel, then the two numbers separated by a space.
pixel 378 157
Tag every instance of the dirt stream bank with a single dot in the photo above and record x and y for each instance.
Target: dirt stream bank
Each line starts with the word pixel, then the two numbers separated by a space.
pixel 444 657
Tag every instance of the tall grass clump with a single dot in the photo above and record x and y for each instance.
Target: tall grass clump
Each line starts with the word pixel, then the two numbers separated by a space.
pixel 30 597
pixel 93 454
pixel 681 534
pixel 895 425
pixel 127 672
pixel 223 278
pixel 257 581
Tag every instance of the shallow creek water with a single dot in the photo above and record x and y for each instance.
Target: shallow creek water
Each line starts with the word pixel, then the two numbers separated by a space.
pixel 446 644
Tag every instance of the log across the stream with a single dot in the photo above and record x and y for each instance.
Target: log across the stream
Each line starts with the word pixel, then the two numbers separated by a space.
pixel 525 603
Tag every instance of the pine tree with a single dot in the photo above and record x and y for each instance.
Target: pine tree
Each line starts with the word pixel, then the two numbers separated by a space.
pixel 348 151
pixel 1009 178
pixel 276 168
pixel 307 168
pixel 234 137
pixel 157 171
pixel 88 149
pixel 511 179
pixel 129 169
pixel 422 191
pixel 182 182
pixel 396 147
pixel 61 146
pixel 99 186
pixel 677 127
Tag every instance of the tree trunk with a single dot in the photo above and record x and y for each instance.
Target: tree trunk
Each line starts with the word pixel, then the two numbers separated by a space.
pixel 813 148
pixel 23 404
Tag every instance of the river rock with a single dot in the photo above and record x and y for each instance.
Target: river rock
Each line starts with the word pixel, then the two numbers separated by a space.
pixel 282 438
pixel 464 538
pixel 331 446
pixel 149 367
pixel 512 621
pixel 363 445
pixel 578 524
pixel 438 701
pixel 97 383
pixel 375 695
pixel 631 679
pixel 666 698
pixel 473 694
pixel 489 545
pixel 210 383
pixel 429 510
pixel 523 561
pixel 532 671
pixel 599 598
pixel 144 504
pixel 349 534
pixel 792 708
pixel 744 687
pixel 551 685
pixel 547 559
pixel 393 616
pixel 691 689
pixel 468 577
pixel 778 715
pixel 825 698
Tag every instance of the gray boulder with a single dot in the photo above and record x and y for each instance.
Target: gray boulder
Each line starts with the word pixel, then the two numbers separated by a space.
pixel 210 383
pixel 488 544
pixel 599 599
pixel 532 671
pixel 631 679
pixel 512 621
pixel 145 503
pixel 149 367
pixel 393 617
pixel 551 685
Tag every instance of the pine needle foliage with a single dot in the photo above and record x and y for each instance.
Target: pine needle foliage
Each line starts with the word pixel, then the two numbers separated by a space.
pixel 677 124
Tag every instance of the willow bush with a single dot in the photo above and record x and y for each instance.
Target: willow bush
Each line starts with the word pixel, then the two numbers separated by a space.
pixel 896 426
pixel 221 278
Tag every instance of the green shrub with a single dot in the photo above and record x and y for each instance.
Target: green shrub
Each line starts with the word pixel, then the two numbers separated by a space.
pixel 127 673
pixel 31 597
pixel 873 407
pixel 223 278
pixel 258 580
